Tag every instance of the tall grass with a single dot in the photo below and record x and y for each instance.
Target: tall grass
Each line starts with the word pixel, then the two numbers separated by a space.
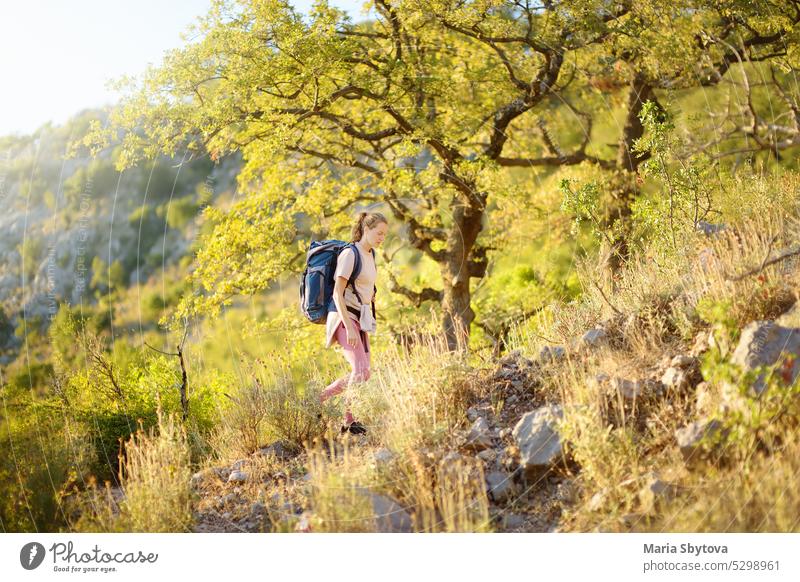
pixel 721 282
pixel 446 495
pixel 337 491
pixel 270 406
pixel 418 396
pixel 156 494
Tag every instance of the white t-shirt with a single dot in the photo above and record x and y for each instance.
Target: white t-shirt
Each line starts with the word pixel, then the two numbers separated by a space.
pixel 364 283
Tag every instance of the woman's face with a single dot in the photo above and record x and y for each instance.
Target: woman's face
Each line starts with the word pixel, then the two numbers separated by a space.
pixel 376 235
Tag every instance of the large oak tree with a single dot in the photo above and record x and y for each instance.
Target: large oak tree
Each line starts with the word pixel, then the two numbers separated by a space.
pixel 418 110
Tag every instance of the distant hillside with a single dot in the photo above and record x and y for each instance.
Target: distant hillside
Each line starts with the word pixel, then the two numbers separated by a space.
pixel 73 228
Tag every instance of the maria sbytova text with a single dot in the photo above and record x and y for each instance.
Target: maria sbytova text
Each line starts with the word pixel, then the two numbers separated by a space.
pixel 694 549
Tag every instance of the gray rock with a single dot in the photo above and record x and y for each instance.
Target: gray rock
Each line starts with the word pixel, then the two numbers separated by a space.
pixel 238 465
pixel 278 449
pixel 512 399
pixel 499 485
pixel 764 343
pixel 701 343
pixel 390 516
pixel 513 521
pixel 628 389
pixel 472 414
pixel 593 338
pixel 237 477
pixel 684 361
pixel 703 399
pixel 203 477
pixel 383 456
pixel 552 354
pixel 658 489
pixel 675 379
pixel 690 436
pixel 537 438
pixel 708 228
pixel 487 455
pixel 479 436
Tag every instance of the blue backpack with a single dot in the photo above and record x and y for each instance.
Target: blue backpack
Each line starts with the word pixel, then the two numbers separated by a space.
pixel 317 282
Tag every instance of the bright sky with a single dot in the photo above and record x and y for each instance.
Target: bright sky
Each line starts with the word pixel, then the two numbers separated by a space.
pixel 56 55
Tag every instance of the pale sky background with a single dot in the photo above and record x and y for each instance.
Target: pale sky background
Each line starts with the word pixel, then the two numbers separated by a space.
pixel 56 55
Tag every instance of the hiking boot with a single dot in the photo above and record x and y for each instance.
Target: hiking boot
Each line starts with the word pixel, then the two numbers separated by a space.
pixel 354 427
pixel 357 428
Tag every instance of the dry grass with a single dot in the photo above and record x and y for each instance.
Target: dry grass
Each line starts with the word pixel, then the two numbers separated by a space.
pixel 758 496
pixel 417 397
pixel 655 312
pixel 446 495
pixel 272 407
pixel 336 492
pixel 156 495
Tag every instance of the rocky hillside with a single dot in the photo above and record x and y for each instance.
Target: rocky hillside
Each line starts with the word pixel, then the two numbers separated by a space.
pixel 513 435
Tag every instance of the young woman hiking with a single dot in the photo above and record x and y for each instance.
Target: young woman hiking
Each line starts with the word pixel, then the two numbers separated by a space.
pixel 351 331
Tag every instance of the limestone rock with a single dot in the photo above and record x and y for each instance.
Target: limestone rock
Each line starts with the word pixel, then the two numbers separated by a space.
pixel 499 485
pixel 593 338
pixel 708 228
pixel 690 436
pixel 390 516
pixel 278 449
pixel 479 436
pixel 383 455
pixel 513 521
pixel 537 438
pixel 552 354
pixel 237 477
pixel 764 343
pixel 675 378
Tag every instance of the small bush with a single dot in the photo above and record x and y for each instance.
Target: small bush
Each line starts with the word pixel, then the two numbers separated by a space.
pixel 156 494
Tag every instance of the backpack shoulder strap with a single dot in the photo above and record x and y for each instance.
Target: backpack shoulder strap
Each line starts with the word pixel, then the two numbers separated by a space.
pixel 356 269
pixel 374 287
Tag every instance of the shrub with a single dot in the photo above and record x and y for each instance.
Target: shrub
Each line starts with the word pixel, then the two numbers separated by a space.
pixel 155 478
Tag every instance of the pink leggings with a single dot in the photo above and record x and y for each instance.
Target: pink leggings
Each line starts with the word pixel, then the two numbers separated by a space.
pixel 358 357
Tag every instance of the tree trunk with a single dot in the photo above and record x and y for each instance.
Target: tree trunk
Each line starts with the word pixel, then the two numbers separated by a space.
pixel 627 166
pixel 459 267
